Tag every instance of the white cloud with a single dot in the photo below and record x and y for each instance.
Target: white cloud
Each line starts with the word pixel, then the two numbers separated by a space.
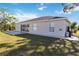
pixel 22 16
pixel 76 8
pixel 42 7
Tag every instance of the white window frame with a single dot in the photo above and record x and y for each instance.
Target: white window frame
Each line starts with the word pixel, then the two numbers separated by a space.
pixel 51 27
pixel 34 27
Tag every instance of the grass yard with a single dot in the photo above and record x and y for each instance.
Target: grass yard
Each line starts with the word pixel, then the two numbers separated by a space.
pixel 9 43
pixel 34 45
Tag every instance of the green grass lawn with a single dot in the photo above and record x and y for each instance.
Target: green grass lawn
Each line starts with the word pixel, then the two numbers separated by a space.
pixel 34 45
pixel 9 43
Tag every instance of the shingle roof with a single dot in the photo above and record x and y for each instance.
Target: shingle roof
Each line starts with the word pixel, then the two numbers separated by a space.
pixel 46 18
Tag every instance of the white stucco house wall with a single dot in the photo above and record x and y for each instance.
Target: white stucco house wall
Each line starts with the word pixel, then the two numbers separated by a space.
pixel 46 26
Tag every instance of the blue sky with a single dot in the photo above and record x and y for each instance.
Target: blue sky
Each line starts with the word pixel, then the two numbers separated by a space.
pixel 25 11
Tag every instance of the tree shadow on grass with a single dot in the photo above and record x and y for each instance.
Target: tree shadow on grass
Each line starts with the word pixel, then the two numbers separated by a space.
pixel 45 46
pixel 7 45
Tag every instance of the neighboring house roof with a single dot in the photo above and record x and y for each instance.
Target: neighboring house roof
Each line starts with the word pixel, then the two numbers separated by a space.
pixel 47 18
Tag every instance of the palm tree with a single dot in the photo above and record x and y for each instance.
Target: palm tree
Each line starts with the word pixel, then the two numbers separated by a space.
pixel 73 27
pixel 78 27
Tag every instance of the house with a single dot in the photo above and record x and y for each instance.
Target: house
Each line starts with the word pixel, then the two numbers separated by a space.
pixel 45 26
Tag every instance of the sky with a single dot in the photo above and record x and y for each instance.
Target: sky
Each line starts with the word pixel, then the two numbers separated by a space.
pixel 26 11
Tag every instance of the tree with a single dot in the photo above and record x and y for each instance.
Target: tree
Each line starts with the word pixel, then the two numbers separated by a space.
pixel 11 22
pixel 78 27
pixel 73 27
pixel 6 20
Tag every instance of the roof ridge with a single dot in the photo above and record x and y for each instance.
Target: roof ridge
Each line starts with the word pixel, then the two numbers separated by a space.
pixel 43 17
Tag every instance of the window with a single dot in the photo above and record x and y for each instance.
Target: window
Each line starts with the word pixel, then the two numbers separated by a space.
pixel 23 27
pixel 51 27
pixel 60 29
pixel 34 27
